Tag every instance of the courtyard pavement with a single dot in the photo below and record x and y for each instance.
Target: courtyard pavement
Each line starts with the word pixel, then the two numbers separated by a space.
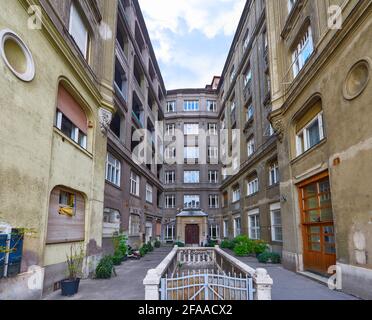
pixel 128 283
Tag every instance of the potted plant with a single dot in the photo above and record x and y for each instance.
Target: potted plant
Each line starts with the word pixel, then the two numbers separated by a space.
pixel 75 259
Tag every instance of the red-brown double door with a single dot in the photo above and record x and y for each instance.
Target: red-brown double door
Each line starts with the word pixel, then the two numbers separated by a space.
pixel 192 234
pixel 317 224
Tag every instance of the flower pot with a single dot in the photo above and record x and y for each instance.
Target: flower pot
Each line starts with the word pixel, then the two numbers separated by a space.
pixel 70 287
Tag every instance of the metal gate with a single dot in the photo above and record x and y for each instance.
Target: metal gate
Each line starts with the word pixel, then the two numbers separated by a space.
pixel 206 286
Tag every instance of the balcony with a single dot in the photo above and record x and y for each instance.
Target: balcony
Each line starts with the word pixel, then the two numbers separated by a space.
pixel 205 274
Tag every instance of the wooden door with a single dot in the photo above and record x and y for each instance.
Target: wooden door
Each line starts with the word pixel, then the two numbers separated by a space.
pixel 317 224
pixel 192 234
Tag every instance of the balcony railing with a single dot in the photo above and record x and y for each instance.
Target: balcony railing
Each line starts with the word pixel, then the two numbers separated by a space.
pixel 183 275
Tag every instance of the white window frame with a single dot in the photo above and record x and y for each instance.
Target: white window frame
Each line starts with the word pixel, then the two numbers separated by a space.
pixel 171 106
pixel 246 40
pixel 76 133
pixel 134 184
pixel 214 229
pixel 212 129
pixel 191 129
pixel 274 174
pixel 149 193
pixel 250 112
pixel 298 58
pixel 191 176
pixel 213 176
pixel 236 195
pixel 252 186
pixel 113 170
pixel 247 77
pixel 170 177
pixel 170 201
pixel 191 105
pixel 170 153
pixel 211 105
pixel 302 137
pixel 275 209
pixel 225 228
pixel 170 129
pixel 237 230
pixel 213 201
pixel 251 148
pixel 191 152
pixel 171 228
pixel 254 231
pixel 76 21
pixel 188 201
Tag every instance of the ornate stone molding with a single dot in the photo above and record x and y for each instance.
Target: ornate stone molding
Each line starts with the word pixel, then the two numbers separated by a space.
pixel 105 118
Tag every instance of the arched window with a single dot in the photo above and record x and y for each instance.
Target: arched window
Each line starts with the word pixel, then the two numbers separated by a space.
pixel 309 128
pixel 66 220
pixel 70 118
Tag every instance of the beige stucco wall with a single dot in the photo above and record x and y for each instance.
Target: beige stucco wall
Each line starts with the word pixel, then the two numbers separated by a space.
pixel 34 158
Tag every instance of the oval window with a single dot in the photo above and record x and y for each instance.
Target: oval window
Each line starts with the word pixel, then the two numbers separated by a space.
pixel 356 80
pixel 16 55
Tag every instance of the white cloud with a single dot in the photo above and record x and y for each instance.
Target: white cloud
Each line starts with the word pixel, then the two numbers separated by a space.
pixel 168 21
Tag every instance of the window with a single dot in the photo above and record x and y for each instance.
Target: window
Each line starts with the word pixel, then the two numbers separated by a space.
pixel 170 177
pixel 302 51
pixel 224 173
pixel 310 135
pixel 134 225
pixel 191 176
pixel 290 4
pixel 225 199
pixel 171 106
pixel 250 112
pixel 274 174
pixel 233 106
pixel 213 201
pixel 236 194
pixel 211 106
pixel 214 231
pixel 265 41
pixel 191 152
pixel 113 168
pixel 67 202
pixel 276 223
pixel 237 226
pixel 170 153
pixel 213 176
pixel 169 232
pixel 251 146
pixel 191 201
pixel 111 223
pixel 134 184
pixel 170 129
pixel 212 129
pixel 121 80
pixel 254 224
pixel 247 77
pixel 78 30
pixel 191 129
pixel 148 193
pixel 212 153
pixel 246 40
pixel 232 73
pixel 252 186
pixel 170 201
pixel 235 163
pixel 191 105
pixel 225 228
pixel 69 129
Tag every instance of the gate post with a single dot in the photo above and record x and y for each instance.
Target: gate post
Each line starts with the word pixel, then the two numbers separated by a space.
pixel 262 283
pixel 151 283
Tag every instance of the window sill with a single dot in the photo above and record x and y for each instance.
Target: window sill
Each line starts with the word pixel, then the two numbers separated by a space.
pixel 307 152
pixel 112 184
pixel 77 146
pixel 251 195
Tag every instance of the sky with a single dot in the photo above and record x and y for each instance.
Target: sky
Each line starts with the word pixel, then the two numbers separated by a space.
pixel 191 38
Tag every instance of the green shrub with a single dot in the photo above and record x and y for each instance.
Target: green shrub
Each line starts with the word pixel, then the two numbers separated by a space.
pixel 260 246
pixel 211 244
pixel 227 244
pixel 179 244
pixel 150 248
pixel 105 268
pixel 157 244
pixel 120 244
pixel 143 250
pixel 267 257
pixel 243 246
pixel 117 259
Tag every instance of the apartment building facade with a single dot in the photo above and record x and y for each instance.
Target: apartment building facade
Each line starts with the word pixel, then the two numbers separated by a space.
pixel 321 94
pixel 56 102
pixel 191 166
pixel 250 202
pixel 133 188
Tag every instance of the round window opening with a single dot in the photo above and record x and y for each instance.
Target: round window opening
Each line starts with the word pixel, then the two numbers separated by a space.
pixel 356 80
pixel 16 55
